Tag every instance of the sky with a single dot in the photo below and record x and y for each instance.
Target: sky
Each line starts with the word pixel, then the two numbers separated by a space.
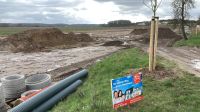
pixel 82 11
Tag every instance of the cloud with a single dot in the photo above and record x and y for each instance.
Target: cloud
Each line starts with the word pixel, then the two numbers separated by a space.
pixel 37 11
pixel 81 11
pixel 136 7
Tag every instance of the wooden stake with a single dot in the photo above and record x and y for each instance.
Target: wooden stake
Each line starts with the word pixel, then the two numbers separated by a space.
pixel 155 42
pixel 151 45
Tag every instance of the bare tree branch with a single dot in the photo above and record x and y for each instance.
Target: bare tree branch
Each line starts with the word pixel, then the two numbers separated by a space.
pixel 154 5
pixel 181 12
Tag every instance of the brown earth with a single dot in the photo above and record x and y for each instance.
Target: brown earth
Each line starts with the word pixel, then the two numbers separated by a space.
pixel 113 43
pixel 39 39
pixel 160 73
pixel 139 31
pixel 166 37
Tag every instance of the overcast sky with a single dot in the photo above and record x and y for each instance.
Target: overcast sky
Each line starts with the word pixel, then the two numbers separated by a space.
pixel 81 11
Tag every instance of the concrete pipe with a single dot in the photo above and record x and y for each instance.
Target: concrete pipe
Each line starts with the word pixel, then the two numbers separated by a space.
pixel 2 99
pixel 42 97
pixel 55 99
pixel 13 86
pixel 38 81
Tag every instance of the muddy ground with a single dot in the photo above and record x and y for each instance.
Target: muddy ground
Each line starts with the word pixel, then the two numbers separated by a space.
pixel 104 42
pixel 39 62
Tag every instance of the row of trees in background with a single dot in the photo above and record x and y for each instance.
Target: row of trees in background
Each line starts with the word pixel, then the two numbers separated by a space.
pixel 119 23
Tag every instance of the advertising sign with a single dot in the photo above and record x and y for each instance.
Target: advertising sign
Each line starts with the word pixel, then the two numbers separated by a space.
pixel 126 90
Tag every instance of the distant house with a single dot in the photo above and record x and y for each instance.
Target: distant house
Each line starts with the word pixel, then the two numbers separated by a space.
pixel 164 22
pixel 187 29
pixel 141 23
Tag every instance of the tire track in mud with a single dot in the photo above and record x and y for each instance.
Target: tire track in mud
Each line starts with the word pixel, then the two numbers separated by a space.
pixel 181 57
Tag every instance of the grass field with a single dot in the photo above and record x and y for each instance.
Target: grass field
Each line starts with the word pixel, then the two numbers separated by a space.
pixel 193 41
pixel 4 31
pixel 179 93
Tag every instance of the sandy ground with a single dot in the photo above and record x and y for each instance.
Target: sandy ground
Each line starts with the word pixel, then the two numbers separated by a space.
pixel 188 59
pixel 32 63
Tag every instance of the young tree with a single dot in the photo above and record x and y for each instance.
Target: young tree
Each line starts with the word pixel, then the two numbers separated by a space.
pixel 180 10
pixel 153 5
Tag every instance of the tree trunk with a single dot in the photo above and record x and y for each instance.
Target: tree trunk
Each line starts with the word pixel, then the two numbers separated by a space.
pixel 183 20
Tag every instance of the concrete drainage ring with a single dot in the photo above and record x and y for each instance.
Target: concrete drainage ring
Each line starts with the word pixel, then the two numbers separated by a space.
pixel 13 86
pixel 2 100
pixel 13 79
pixel 38 81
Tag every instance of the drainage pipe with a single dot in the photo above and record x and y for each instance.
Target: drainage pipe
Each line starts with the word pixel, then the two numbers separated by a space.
pixel 55 99
pixel 42 97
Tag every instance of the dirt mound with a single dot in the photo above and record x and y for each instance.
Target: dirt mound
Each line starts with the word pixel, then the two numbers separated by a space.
pixel 113 43
pixel 82 37
pixel 165 36
pixel 139 31
pixel 39 39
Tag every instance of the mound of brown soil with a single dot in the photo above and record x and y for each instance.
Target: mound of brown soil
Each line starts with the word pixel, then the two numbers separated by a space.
pixel 82 37
pixel 139 31
pixel 165 35
pixel 113 43
pixel 38 39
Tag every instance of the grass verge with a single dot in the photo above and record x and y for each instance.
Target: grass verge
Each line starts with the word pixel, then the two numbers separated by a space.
pixel 193 41
pixel 179 93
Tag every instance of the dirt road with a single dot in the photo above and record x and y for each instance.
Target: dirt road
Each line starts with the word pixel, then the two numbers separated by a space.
pixel 39 62
pixel 187 59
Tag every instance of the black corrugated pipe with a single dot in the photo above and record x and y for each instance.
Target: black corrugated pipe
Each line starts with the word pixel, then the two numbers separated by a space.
pixel 55 99
pixel 42 97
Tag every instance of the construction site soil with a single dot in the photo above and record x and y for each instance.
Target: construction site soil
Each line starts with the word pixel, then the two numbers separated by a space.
pixel 166 36
pixel 38 39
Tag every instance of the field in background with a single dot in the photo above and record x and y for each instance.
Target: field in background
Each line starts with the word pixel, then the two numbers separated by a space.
pixel 177 93
pixel 5 31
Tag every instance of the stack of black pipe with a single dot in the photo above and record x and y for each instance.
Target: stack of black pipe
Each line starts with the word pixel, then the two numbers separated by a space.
pixel 45 100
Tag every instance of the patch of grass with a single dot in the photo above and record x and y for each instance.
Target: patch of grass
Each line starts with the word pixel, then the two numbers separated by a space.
pixel 193 41
pixel 5 31
pixel 175 94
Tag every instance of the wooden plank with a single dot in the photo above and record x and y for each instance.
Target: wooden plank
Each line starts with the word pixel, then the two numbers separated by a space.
pixel 151 45
pixel 155 41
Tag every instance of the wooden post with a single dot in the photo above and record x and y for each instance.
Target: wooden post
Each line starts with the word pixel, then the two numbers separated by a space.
pixel 155 41
pixel 197 29
pixel 151 44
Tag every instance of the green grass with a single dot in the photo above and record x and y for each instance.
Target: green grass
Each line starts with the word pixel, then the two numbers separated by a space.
pixel 193 41
pixel 5 31
pixel 175 94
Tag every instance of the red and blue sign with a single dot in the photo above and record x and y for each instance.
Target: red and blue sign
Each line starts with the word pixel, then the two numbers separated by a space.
pixel 127 90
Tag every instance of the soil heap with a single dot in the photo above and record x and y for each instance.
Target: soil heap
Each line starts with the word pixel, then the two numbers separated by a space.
pixel 38 39
pixel 165 36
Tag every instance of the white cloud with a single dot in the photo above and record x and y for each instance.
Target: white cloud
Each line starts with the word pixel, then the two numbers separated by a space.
pixel 81 11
